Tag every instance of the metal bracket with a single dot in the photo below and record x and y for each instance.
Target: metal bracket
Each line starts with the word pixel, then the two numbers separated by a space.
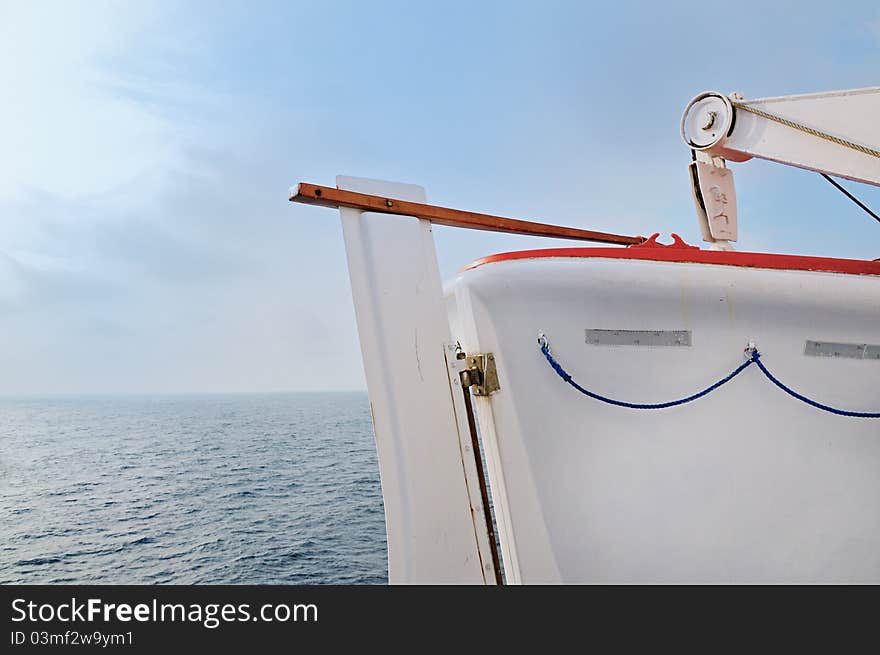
pixel 715 200
pixel 481 374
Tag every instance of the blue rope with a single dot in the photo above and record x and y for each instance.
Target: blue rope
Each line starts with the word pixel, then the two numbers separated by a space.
pixel 545 348
pixel 755 358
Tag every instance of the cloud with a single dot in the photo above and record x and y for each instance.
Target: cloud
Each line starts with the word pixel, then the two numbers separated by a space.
pixel 139 251
pixel 145 239
pixel 193 287
pixel 60 129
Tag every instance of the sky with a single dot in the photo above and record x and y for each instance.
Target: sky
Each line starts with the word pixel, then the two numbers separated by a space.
pixel 146 240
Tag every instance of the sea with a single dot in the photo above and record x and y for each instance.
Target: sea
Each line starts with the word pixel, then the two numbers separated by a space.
pixel 190 489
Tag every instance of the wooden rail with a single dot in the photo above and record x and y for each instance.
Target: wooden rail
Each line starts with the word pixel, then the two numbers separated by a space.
pixel 314 194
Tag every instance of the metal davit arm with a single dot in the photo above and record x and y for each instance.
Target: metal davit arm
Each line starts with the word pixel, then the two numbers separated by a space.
pixel 835 133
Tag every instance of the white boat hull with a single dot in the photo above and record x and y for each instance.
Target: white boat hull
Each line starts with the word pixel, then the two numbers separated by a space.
pixel 744 485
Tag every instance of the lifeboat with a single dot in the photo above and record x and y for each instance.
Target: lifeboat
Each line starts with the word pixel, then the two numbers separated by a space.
pixel 642 411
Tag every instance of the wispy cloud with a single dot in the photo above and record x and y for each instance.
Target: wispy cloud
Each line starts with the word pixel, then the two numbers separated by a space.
pixel 145 239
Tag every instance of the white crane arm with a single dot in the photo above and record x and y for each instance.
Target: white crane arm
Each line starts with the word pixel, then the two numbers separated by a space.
pixel 837 133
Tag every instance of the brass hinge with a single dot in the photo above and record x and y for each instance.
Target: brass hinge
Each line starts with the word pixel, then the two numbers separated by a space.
pixel 481 374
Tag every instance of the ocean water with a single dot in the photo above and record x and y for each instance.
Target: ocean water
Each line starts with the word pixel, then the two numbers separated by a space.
pixel 190 489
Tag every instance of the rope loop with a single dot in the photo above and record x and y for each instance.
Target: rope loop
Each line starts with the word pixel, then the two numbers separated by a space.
pixel 753 356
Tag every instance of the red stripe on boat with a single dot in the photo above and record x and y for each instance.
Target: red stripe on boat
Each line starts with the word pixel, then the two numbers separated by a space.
pixel 680 252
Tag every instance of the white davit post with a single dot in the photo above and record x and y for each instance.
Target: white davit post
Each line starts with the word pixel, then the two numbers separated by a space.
pixel 434 520
pixel 738 130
